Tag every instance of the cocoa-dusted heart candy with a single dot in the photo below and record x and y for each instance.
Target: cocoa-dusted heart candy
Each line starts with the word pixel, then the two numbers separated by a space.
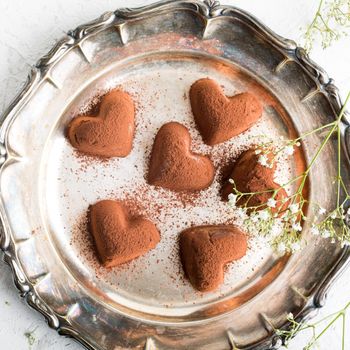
pixel 109 133
pixel 252 177
pixel 118 237
pixel 174 166
pixel 219 117
pixel 205 250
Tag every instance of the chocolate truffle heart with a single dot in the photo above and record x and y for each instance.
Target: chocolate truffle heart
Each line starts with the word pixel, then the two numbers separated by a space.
pixel 250 176
pixel 108 134
pixel 174 166
pixel 219 117
pixel 205 250
pixel 118 237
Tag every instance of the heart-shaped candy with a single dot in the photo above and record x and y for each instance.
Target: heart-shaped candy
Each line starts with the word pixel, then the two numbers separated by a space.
pixel 205 250
pixel 252 177
pixel 219 117
pixel 118 237
pixel 108 134
pixel 174 166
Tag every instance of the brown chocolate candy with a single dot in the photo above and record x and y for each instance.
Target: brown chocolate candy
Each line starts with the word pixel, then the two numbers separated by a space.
pixel 172 163
pixel 250 177
pixel 108 134
pixel 205 250
pixel 219 117
pixel 118 237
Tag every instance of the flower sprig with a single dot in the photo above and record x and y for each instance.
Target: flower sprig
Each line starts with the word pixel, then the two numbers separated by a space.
pixel 270 151
pixel 331 21
pixel 280 218
pixel 283 231
pixel 316 329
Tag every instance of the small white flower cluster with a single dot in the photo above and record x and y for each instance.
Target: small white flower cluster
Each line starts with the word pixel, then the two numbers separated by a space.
pixel 289 150
pixel 332 226
pixel 271 203
pixel 294 208
pixel 314 230
pixel 232 200
pixel 269 151
pixel 264 161
pixel 283 231
pixel 287 146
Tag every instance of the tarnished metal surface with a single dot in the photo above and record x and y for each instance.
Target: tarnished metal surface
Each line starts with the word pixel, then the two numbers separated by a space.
pixel 185 31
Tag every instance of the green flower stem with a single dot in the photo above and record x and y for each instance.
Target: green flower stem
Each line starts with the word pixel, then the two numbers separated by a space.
pixel 329 23
pixel 334 128
pixel 297 327
pixel 317 15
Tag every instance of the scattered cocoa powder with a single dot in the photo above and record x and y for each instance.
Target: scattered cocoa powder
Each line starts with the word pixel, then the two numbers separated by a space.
pixel 144 199
pixel 250 176
pixel 205 250
pixel 110 132
pixel 219 117
pixel 117 237
pixel 174 166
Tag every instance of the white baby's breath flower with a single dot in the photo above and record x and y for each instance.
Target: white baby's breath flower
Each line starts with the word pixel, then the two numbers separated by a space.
pixel 271 203
pixel 276 229
pixel 232 199
pixel 263 160
pixel 294 208
pixel 321 211
pixel 231 181
pixel 289 150
pixel 290 316
pixel 254 217
pixel 296 226
pixel 326 233
pixel 264 215
pixel 298 144
pixel 295 246
pixel 314 231
pixel 333 215
pixel 281 248
pixel 258 151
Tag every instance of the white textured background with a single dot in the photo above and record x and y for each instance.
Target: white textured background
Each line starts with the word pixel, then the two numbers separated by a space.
pixel 29 28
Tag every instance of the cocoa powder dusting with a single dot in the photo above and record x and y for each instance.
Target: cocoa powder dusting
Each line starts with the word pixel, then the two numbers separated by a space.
pixel 171 211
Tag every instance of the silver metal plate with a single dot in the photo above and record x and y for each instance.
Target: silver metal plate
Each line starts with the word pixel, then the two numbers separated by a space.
pixel 156 53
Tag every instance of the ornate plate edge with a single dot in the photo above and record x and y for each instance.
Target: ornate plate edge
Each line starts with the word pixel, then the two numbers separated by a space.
pixel 208 9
